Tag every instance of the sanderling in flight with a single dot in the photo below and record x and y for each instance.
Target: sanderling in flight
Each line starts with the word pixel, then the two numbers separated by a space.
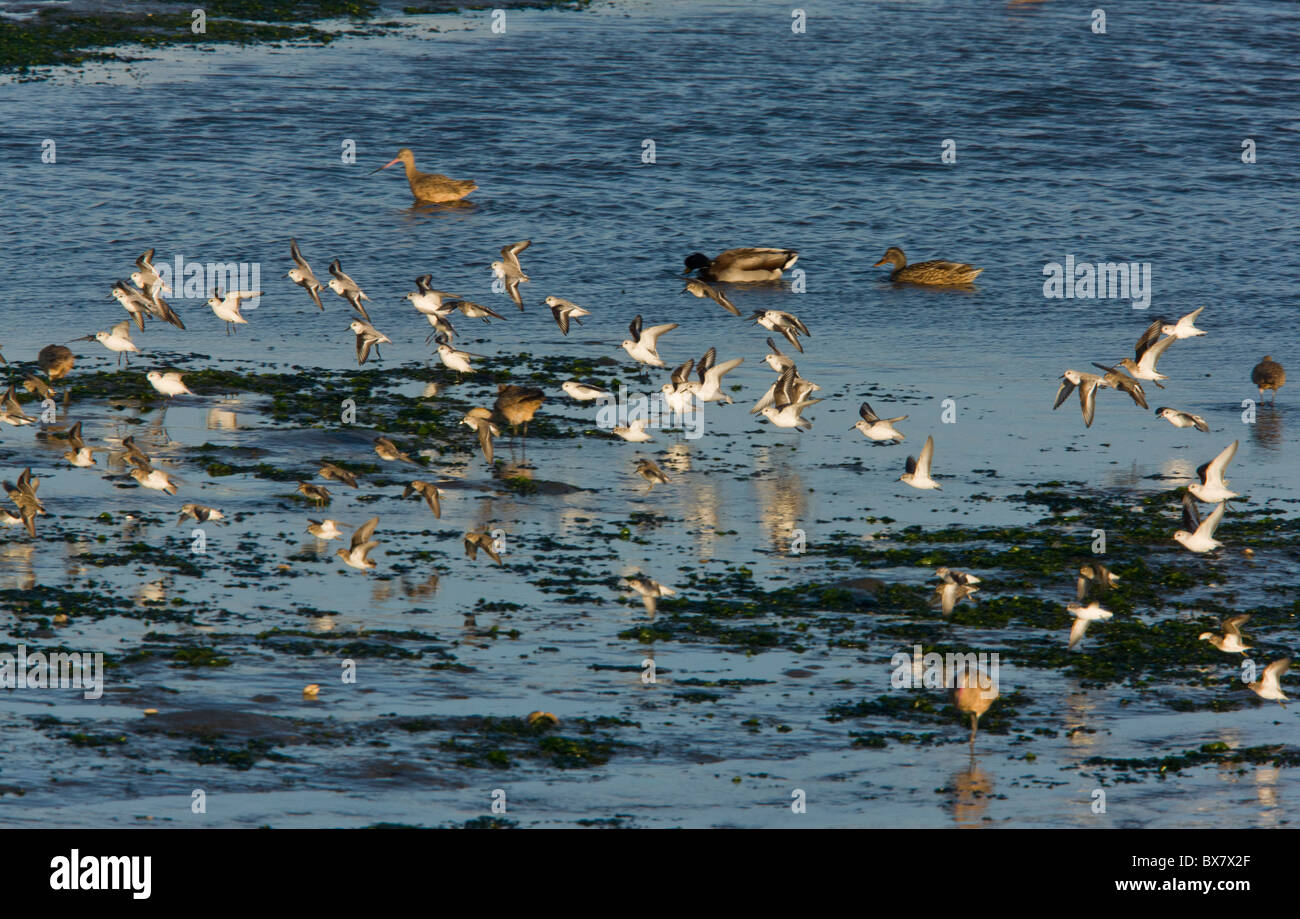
pixel 11 410
pixel 335 473
pixel 1096 576
pixel 649 470
pixel 1213 487
pixel 147 276
pixel 802 389
pixel 479 420
pixel 357 554
pixel 78 453
pixel 510 272
pixel 1197 535
pixel 702 289
pixel 199 513
pixel 367 337
pixel 1231 640
pixel 155 479
pixel 743 265
pixel 650 591
pixel 474 310
pixel 1268 374
pixel 325 529
pixel 581 392
pixel 679 391
pixel 1087 384
pixel 133 301
pixel 955 587
pixel 226 307
pixel 643 346
pixel 429 301
pixel 428 491
pixel 348 289
pixel 117 340
pixel 709 386
pixel 564 311
pixel 1148 351
pixel 303 276
pixel 634 431
pixel 918 468
pixel 789 399
pixel 388 450
pixel 776 360
pixel 169 384
pixel 23 495
pixel 476 541
pixel 453 359
pixel 1082 616
pixel 1183 419
pixel 133 454
pixel 1119 380
pixel 878 429
pixel 1269 685
pixel 317 493
pixel 1184 327
pixel 788 324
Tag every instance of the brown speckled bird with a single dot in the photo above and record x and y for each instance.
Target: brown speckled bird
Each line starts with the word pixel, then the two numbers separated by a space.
pixel 1268 374
pixel 936 273
pixel 518 404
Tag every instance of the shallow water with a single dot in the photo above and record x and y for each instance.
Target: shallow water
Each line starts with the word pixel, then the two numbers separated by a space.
pixel 1124 146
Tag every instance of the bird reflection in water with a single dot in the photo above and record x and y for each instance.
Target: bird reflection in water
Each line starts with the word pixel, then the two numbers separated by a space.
pixel 971 788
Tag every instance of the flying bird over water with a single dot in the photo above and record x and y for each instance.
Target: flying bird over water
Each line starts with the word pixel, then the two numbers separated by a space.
pixel 709 386
pixel 325 529
pixel 367 337
pixel 1197 535
pixel 643 346
pixel 1148 351
pixel 702 289
pixel 429 187
pixel 1184 327
pixel 476 541
pixel 776 359
pixel 347 288
pixel 226 307
pixel 78 453
pixel 1213 487
pixel 1082 616
pixel 1087 384
pixel 169 384
pixel 789 399
pixel 335 473
pixel 634 431
pixel 199 513
pixel 955 586
pixel 1269 686
pixel 1183 419
pixel 426 490
pixel 1231 641
pixel 564 311
pixel 387 450
pixel 479 420
pixel 1118 379
pixel 918 469
pixel 357 555
pixel 878 429
pixel 1096 576
pixel 303 276
pixel 581 392
pixel 742 265
pixel 788 324
pixel 510 272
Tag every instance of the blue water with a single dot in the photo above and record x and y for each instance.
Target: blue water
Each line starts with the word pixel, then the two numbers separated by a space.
pixel 1123 146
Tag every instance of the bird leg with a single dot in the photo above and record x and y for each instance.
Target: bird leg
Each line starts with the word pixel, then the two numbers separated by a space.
pixel 974 726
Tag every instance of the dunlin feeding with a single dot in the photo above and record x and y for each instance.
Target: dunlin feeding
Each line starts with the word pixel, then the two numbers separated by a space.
pixel 740 266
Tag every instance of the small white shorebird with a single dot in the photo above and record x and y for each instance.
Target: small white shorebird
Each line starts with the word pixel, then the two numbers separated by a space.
pixel 643 346
pixel 918 468
pixel 1183 328
pixel 709 386
pixel 227 306
pixel 789 399
pixel 453 359
pixel 776 360
pixel 303 276
pixel 199 513
pixel 1213 487
pixel 584 393
pixel 679 392
pixel 955 587
pixel 1269 686
pixel 473 310
pixel 1197 535
pixel 634 431
pixel 325 529
pixel 702 289
pixel 348 289
pixel 788 324
pixel 11 410
pixel 1230 641
pixel 564 312
pixel 510 272
pixel 1095 576
pixel 1087 384
pixel 479 420
pixel 802 389
pixel 133 301
pixel 169 384
pixel 878 429
pixel 147 275
pixel 367 337
pixel 117 340
pixel 1183 419
pixel 357 555
pixel 1148 351
pixel 78 453
pixel 428 301
pixel 1082 616
pixel 650 591
pixel 156 479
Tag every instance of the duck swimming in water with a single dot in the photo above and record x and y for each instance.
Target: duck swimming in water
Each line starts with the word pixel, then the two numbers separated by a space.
pixel 742 265
pixel 936 273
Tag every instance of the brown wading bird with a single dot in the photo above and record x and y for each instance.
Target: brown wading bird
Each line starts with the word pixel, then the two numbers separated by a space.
pixel 518 404
pixel 318 493
pixel 649 470
pixel 974 693
pixel 56 361
pixel 1268 374
pixel 937 273
pixel 427 187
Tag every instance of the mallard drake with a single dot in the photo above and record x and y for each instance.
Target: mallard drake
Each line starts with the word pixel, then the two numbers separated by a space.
pixel 937 272
pixel 428 187
pixel 741 265
pixel 1268 374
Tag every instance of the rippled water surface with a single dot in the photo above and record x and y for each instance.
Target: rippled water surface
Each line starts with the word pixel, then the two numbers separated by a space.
pixel 1124 146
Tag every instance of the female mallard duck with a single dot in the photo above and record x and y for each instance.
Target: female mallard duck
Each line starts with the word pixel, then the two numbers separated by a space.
pixel 427 187
pixel 937 272
pixel 741 265
pixel 1268 374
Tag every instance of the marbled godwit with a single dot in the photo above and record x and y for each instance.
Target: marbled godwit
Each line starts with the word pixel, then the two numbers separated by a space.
pixel 518 404
pixel 935 273
pixel 428 187
pixel 1268 374
pixel 742 265
pixel 974 699
pixel 56 361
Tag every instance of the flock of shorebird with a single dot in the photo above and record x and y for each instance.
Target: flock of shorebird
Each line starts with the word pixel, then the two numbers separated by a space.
pixel 689 386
